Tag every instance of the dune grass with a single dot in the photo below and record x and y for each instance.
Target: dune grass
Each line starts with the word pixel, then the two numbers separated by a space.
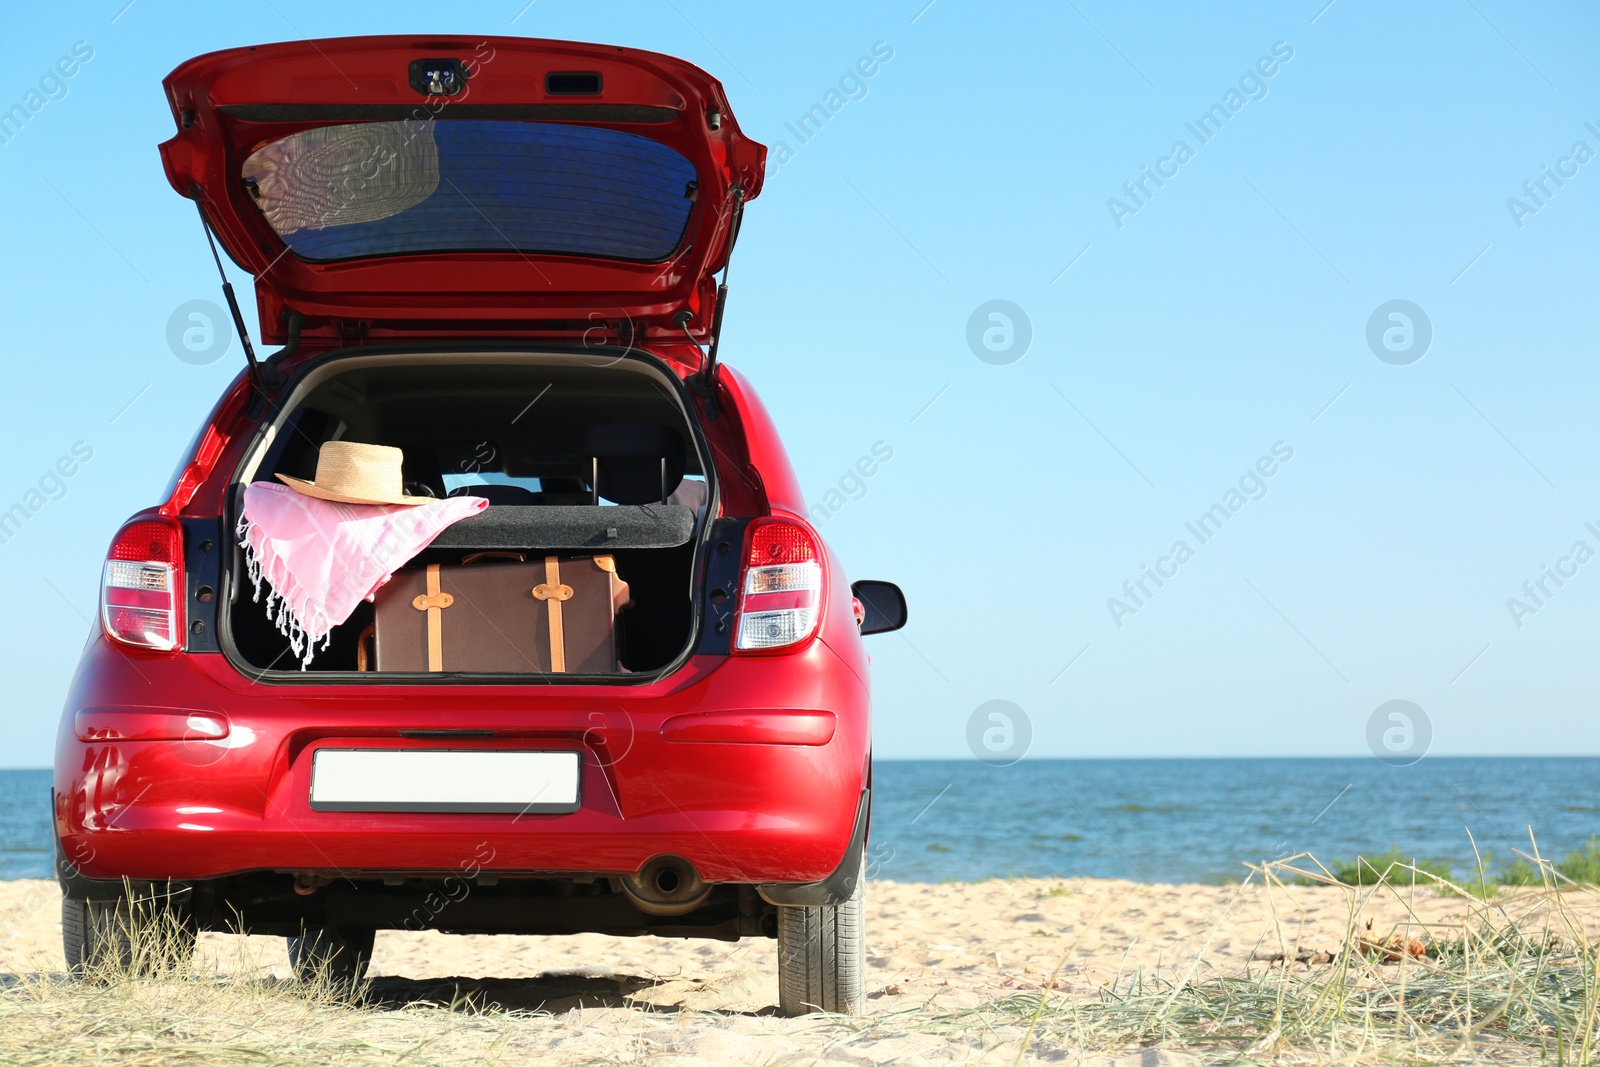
pixel 1580 867
pixel 1516 980
pixel 1373 870
pixel 155 1002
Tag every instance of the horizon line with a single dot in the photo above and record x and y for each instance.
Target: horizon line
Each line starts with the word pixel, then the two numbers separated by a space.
pixel 1157 759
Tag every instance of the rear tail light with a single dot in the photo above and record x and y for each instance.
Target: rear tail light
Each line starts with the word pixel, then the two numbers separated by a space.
pixel 781 591
pixel 141 594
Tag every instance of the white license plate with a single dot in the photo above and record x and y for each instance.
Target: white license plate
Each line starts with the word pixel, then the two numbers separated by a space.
pixel 444 780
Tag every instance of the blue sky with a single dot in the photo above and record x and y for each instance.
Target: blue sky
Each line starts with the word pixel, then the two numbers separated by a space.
pixel 1226 315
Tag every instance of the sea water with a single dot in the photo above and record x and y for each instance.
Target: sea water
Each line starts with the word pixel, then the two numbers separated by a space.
pixel 1173 820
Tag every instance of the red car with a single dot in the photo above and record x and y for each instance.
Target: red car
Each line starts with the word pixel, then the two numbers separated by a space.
pixel 491 254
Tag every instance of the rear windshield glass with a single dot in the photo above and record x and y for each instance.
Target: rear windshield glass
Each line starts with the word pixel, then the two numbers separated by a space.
pixel 467 185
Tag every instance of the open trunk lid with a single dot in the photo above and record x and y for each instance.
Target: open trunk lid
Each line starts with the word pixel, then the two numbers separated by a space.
pixel 407 187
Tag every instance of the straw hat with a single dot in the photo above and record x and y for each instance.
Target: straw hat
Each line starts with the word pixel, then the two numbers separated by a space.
pixel 354 473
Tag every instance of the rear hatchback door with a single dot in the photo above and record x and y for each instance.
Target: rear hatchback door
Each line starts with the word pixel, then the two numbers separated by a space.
pixel 406 187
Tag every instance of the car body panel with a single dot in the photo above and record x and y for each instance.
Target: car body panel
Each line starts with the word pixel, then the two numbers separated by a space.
pixel 203 808
pixel 228 104
pixel 775 811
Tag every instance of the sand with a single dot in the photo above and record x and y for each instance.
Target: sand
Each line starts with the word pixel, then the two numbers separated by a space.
pixel 932 948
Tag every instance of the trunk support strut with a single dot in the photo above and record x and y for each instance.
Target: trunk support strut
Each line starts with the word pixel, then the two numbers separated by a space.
pixel 708 367
pixel 259 375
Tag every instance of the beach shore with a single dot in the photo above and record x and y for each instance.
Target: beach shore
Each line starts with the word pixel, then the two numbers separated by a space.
pixel 935 951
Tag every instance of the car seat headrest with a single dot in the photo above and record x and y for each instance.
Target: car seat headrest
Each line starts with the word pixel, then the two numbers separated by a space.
pixel 635 463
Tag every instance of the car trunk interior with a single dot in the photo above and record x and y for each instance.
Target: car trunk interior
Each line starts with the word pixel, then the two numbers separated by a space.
pixel 564 447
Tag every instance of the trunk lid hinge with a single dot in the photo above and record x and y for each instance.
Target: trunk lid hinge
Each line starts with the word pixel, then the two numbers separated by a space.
pixel 352 332
pixel 292 321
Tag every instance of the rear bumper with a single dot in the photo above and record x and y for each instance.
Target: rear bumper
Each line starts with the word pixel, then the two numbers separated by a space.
pixel 767 813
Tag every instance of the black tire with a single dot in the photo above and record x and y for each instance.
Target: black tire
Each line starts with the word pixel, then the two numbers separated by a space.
pixel 822 956
pixel 89 942
pixel 110 938
pixel 336 954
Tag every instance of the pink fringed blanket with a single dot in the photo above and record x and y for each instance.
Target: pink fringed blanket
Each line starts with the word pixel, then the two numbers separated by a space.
pixel 320 559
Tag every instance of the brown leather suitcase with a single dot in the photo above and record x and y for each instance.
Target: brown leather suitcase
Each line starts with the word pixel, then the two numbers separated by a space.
pixel 554 615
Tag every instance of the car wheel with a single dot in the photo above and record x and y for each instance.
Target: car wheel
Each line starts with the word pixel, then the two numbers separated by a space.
pixel 337 955
pixel 822 956
pixel 110 938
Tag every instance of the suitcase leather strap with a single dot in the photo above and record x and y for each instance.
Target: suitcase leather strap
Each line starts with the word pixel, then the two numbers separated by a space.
pixel 552 592
pixel 434 602
pixel 479 557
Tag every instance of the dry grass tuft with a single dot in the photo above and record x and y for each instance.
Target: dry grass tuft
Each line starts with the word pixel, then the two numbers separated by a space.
pixel 1509 979
pixel 161 1005
pixel 1515 980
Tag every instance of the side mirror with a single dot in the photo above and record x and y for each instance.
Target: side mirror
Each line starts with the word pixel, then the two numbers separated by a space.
pixel 883 604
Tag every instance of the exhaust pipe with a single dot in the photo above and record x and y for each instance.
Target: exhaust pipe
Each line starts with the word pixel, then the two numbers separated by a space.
pixel 667 885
